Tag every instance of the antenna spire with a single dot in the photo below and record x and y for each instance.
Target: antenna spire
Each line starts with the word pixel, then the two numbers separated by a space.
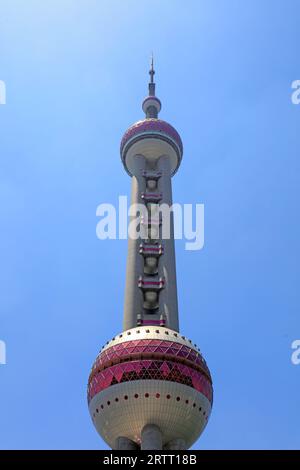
pixel 151 104
pixel 151 73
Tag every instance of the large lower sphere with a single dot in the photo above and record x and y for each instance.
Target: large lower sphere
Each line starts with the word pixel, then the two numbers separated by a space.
pixel 150 375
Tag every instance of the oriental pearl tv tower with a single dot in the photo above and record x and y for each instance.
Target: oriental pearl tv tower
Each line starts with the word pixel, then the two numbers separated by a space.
pixel 150 387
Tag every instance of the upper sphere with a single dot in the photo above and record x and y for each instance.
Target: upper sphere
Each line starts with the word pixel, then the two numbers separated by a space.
pixel 152 128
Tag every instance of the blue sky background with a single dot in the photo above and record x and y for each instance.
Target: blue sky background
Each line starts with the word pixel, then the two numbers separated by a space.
pixel 76 73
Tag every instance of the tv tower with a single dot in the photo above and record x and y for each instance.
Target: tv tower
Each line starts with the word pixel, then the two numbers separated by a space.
pixel 150 387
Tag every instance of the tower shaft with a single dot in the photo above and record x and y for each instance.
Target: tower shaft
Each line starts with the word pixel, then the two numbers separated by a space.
pixel 151 287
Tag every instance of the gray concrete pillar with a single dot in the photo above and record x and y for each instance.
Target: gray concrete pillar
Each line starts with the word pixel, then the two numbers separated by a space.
pixel 133 304
pixel 151 437
pixel 168 303
pixel 176 444
pixel 123 443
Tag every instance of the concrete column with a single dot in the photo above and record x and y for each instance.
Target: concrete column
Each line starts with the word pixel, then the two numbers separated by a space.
pixel 133 296
pixel 176 444
pixel 123 443
pixel 151 437
pixel 168 303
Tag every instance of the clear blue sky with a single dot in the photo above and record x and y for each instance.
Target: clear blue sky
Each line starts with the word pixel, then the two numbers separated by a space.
pixel 76 73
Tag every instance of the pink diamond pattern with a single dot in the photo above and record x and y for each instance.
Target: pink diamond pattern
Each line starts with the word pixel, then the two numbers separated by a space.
pixel 120 352
pixel 150 370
